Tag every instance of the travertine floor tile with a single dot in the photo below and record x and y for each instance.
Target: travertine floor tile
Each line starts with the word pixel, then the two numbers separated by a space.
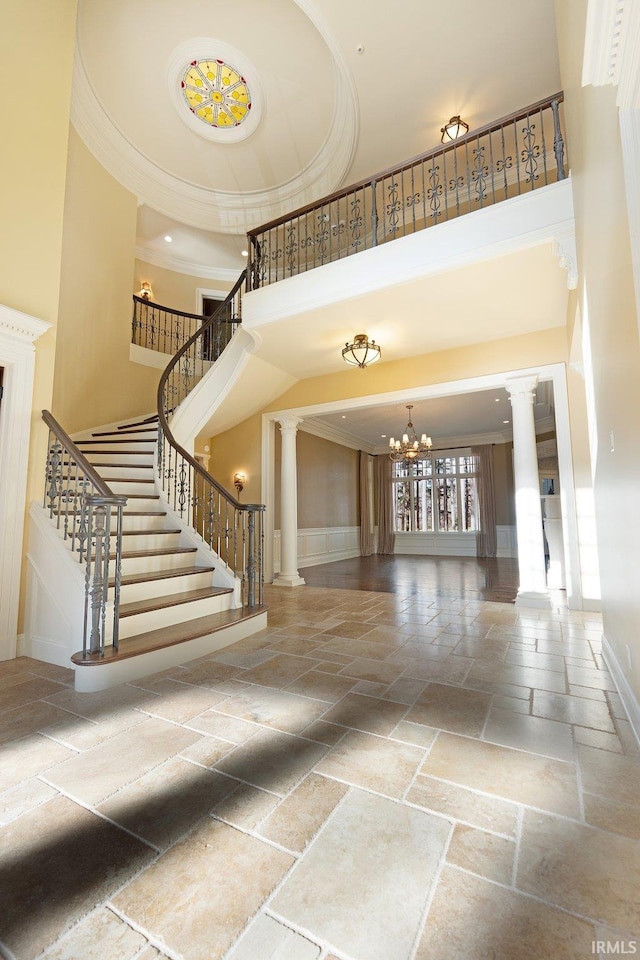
pixel 22 759
pixel 20 694
pixel 168 801
pixel 510 774
pixel 200 894
pixel 270 940
pixel 181 701
pixel 279 670
pixel 225 728
pixel 96 774
pixel 451 708
pixel 57 863
pixel 451 670
pixel 483 853
pixel 518 675
pixel 272 760
pixel 356 648
pixel 209 673
pixel 384 766
pixel 298 818
pixel 371 907
pixel 474 919
pixel 610 775
pixel 246 807
pixel 322 686
pixel 366 713
pixel 458 803
pixel 609 815
pixel 587 871
pixel 597 738
pixel 586 713
pixel 100 935
pixel 273 708
pixel 23 798
pixel 104 705
pixel 374 670
pixel 416 733
pixel 547 737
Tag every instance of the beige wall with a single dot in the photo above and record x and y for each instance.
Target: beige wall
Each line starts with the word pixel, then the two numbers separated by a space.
pixel 95 382
pixel 503 482
pixel 172 289
pixel 33 161
pixel 238 451
pixel 607 309
pixel 327 483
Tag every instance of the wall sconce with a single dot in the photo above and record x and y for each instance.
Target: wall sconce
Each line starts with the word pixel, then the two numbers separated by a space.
pixel 453 130
pixel 239 480
pixel 145 291
pixel 362 351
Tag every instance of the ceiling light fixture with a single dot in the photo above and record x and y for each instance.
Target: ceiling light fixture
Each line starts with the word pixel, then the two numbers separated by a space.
pixel 168 239
pixel 245 253
pixel 410 449
pixel 362 351
pixel 453 130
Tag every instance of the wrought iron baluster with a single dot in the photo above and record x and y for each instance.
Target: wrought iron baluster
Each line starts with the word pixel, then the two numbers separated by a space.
pixel 544 148
pixel 558 142
pixel 530 152
pixel 374 213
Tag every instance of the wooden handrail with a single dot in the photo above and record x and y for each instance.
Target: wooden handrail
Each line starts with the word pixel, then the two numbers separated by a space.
pixel 96 480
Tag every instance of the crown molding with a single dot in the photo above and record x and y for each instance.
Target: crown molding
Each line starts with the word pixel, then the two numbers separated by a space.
pixel 14 323
pixel 602 42
pixel 336 435
pixel 157 258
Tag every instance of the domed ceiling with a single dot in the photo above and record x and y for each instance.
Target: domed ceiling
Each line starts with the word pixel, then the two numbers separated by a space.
pixel 298 96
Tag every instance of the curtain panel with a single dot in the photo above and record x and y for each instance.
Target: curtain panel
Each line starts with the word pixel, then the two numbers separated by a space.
pixel 486 542
pixel 366 512
pixel 384 504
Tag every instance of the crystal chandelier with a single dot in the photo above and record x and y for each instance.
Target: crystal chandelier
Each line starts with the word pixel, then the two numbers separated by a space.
pixel 410 449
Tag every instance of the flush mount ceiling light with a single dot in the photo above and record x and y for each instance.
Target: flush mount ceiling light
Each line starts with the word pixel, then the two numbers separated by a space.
pixel 453 130
pixel 362 351
pixel 410 449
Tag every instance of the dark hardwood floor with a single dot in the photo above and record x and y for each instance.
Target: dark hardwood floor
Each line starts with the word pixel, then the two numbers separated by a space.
pixel 468 578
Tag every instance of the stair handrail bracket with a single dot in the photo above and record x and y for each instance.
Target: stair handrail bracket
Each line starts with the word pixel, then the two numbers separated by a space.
pixel 516 154
pixel 233 530
pixel 89 515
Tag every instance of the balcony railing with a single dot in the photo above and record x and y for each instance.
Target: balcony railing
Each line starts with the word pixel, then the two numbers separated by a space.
pixel 162 328
pixel 514 155
pixel 233 529
pixel 89 516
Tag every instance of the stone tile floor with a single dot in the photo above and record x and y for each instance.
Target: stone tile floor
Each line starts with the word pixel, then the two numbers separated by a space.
pixel 371 778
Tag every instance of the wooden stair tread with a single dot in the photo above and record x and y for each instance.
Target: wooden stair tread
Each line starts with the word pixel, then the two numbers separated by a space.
pixel 171 600
pixel 136 466
pixel 139 423
pixel 169 636
pixel 160 552
pixel 146 533
pixel 121 453
pixel 143 496
pixel 127 480
pixel 130 578
pixel 119 432
pixel 88 443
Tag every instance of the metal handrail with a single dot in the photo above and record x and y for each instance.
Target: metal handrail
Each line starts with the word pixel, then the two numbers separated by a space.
pixel 485 166
pixel 86 510
pixel 157 327
pixel 231 528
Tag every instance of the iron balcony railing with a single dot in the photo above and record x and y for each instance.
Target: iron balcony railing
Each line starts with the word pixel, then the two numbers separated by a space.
pixel 161 328
pixel 514 155
pixel 234 530
pixel 89 515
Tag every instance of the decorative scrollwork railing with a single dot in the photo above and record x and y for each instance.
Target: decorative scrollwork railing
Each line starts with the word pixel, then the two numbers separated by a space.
pixel 89 516
pixel 162 328
pixel 514 155
pixel 234 530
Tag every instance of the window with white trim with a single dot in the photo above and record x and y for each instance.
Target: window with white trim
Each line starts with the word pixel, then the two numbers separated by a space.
pixel 436 495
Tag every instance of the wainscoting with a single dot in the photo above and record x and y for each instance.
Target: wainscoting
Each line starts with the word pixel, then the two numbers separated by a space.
pixel 321 545
pixel 507 541
pixel 436 544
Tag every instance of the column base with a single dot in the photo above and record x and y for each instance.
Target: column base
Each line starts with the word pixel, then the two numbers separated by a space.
pixel 534 598
pixel 288 580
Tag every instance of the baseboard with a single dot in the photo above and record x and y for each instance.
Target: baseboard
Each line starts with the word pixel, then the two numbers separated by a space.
pixel 629 702
pixel 21 646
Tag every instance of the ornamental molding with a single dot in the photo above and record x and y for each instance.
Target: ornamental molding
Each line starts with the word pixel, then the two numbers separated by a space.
pixel 158 258
pixel 20 325
pixel 207 208
pixel 612 49
pixel 522 389
pixel 564 248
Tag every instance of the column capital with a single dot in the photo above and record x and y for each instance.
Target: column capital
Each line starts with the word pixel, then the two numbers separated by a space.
pixel 522 388
pixel 289 425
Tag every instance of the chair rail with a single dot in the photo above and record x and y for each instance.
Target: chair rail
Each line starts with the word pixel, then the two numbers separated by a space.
pixel 519 152
pixel 234 530
pixel 86 511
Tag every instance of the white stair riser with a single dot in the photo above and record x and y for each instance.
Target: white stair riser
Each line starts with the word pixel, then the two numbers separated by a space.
pixel 157 522
pixel 155 619
pixel 134 485
pixel 105 461
pixel 131 592
pixel 147 540
pixel 120 474
pixel 141 446
pixel 172 561
pixel 138 503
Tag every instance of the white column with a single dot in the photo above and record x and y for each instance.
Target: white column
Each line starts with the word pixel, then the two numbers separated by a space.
pixel 531 565
pixel 288 576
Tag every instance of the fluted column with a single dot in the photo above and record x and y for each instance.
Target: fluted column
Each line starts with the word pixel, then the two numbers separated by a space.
pixel 288 576
pixel 531 564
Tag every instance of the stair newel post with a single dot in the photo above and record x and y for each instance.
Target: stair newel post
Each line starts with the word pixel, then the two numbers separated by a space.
pixel 94 581
pixel 558 142
pixel 119 507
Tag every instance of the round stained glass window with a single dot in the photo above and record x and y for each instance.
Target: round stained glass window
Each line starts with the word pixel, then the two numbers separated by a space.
pixel 216 93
